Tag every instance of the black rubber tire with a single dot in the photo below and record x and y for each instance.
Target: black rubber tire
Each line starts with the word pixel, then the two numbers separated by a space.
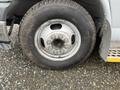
pixel 57 9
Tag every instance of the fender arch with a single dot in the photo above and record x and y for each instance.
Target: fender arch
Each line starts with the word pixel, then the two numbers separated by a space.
pixel 97 8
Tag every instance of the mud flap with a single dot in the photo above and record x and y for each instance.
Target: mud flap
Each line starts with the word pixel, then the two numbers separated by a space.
pixel 105 35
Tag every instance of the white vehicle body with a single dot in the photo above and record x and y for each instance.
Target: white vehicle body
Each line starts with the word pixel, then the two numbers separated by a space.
pixel 112 14
pixel 115 14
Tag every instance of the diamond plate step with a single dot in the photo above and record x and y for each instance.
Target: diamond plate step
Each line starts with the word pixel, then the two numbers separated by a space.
pixel 114 55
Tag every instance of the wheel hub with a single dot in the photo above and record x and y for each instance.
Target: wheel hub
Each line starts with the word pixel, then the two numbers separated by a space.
pixel 58 43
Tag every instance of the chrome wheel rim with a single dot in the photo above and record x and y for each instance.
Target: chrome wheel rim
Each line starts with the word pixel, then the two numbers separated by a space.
pixel 57 40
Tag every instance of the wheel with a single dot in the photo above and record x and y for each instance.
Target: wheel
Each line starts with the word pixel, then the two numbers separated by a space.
pixel 57 34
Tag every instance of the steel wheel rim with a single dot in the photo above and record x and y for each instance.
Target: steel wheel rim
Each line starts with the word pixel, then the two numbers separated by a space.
pixel 57 40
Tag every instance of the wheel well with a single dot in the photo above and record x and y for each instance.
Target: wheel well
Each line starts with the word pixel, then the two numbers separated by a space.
pixel 18 8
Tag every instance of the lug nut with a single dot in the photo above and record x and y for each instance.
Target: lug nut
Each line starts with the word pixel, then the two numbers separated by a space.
pixel 49 48
pixel 53 37
pixel 66 40
pixel 59 52
pixel 60 36
pixel 49 42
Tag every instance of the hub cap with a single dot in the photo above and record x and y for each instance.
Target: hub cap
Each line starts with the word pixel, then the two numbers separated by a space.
pixel 57 40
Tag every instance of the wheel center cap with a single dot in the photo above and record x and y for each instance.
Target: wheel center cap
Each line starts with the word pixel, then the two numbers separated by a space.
pixel 58 43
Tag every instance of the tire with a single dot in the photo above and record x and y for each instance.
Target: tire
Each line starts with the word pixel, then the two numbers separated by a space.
pixel 65 10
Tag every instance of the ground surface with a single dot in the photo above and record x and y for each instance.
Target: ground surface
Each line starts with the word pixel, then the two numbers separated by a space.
pixel 17 73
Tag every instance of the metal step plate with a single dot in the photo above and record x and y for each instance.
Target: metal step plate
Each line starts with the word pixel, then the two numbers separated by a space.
pixel 114 55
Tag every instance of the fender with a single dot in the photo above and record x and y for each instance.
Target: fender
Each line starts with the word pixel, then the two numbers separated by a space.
pixel 28 3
